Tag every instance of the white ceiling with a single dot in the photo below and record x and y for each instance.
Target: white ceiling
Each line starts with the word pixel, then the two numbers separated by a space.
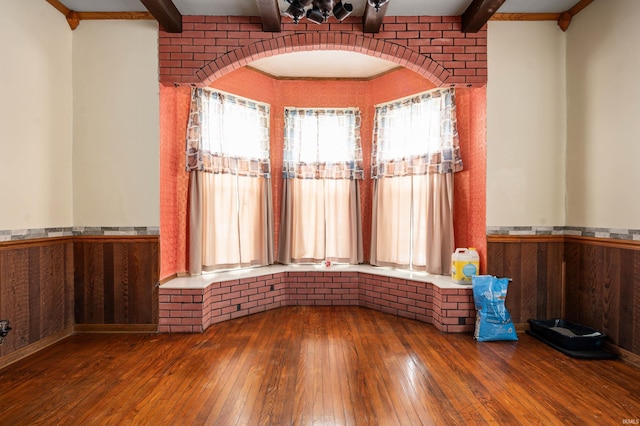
pixel 249 7
pixel 322 64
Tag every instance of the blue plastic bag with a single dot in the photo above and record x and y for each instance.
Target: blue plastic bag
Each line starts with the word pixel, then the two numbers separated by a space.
pixel 493 321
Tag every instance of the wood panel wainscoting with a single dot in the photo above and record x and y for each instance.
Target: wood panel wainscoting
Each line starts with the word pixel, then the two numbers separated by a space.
pixel 534 264
pixel 603 287
pixel 116 282
pixel 591 281
pixel 36 293
pixel 51 287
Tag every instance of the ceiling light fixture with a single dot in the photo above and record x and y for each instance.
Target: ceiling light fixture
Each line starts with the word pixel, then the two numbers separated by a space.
pixel 319 11
pixel 377 4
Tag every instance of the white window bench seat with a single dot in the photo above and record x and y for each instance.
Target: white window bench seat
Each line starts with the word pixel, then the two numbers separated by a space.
pixel 192 304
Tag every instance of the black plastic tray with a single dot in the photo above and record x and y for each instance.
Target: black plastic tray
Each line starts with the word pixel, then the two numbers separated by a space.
pixel 592 354
pixel 567 335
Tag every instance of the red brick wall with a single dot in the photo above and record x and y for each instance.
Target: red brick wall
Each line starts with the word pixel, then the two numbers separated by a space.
pixel 432 46
pixel 174 111
pixel 469 184
pixel 450 310
pixel 433 51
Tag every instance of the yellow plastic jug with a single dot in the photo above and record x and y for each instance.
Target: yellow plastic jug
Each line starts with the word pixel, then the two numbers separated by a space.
pixel 465 263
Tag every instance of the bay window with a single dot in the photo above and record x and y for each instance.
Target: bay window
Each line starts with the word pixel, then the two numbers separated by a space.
pixel 230 207
pixel 321 198
pixel 415 153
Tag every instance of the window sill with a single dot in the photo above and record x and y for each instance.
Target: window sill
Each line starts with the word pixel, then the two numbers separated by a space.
pixel 204 280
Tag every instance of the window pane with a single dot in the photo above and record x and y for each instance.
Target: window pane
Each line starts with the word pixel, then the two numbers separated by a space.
pixel 334 141
pixel 415 143
pixel 321 136
pixel 234 127
pixel 322 162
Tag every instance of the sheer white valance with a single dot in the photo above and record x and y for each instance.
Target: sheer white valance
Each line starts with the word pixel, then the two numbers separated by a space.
pixel 417 135
pixel 322 144
pixel 227 134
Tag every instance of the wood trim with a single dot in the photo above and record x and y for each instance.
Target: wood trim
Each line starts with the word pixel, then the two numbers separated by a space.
pixel 577 8
pixel 115 328
pixel 120 238
pixel 96 16
pixel 70 15
pixel 275 77
pixel 603 242
pixel 525 238
pixel 13 244
pixel 59 6
pixel 521 327
pixel 37 346
pixel 167 279
pixel 625 356
pixel 16 244
pixel 525 17
pixel 74 18
pixel 565 17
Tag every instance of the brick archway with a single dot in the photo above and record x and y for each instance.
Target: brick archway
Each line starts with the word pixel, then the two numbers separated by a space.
pixel 401 55
pixel 432 46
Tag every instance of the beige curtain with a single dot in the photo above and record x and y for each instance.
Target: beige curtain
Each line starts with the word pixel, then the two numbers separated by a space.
pixel 231 222
pixel 320 221
pixel 391 230
pixel 230 207
pixel 413 223
pixel 415 153
pixel 433 222
pixel 321 200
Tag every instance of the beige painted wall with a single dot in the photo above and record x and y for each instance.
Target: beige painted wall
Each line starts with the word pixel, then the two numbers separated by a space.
pixel 116 124
pixel 526 116
pixel 603 63
pixel 82 106
pixel 35 117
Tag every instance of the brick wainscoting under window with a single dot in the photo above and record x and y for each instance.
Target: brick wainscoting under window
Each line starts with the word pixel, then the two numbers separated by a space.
pixel 191 305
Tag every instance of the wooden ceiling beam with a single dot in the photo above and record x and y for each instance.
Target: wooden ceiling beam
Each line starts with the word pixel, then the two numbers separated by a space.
pixel 565 17
pixel 166 13
pixel 269 15
pixel 478 13
pixel 372 19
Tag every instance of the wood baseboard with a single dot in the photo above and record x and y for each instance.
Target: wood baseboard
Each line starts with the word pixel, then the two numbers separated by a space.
pixel 35 347
pixel 625 356
pixel 115 328
pixel 521 327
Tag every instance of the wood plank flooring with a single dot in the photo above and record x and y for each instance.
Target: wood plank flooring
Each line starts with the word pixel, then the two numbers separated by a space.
pixel 313 365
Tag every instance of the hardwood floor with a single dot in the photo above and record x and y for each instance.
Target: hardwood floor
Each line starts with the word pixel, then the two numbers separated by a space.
pixel 313 365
